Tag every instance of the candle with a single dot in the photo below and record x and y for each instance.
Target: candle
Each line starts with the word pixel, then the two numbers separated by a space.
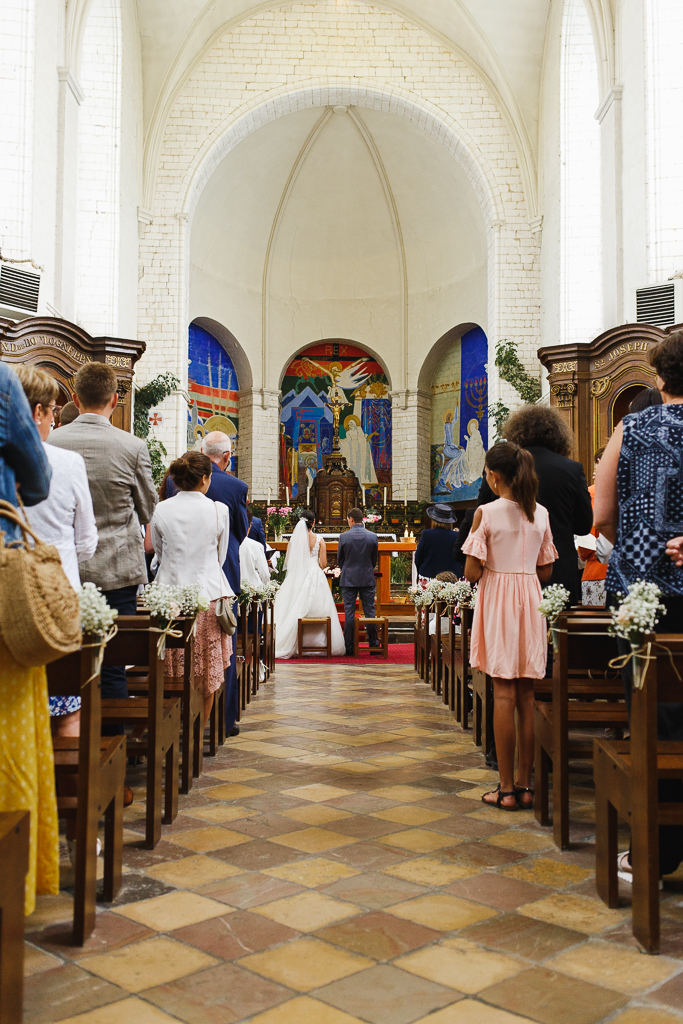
pixel 308 496
pixel 362 495
pixel 269 495
pixel 405 495
pixel 385 497
pixel 287 492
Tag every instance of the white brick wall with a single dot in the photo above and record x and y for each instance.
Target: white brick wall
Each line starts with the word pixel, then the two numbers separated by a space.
pixel 99 155
pixel 664 90
pixel 17 55
pixel 306 55
pixel 581 306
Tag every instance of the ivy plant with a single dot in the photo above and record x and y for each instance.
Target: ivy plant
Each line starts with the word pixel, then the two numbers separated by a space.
pixel 512 371
pixel 146 398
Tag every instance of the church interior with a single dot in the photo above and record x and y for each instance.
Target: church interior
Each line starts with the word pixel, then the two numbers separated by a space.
pixel 354 237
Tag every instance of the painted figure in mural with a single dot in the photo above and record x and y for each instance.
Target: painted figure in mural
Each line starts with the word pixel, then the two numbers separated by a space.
pixel 450 450
pixel 456 470
pixel 476 453
pixel 356 449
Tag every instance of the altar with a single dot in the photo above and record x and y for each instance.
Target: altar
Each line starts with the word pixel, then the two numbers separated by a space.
pixel 384 603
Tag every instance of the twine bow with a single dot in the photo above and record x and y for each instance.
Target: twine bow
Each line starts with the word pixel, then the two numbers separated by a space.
pixel 166 631
pixel 99 657
pixel 643 655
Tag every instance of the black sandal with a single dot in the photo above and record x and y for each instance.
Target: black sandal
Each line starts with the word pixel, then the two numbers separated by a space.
pixel 499 802
pixel 524 789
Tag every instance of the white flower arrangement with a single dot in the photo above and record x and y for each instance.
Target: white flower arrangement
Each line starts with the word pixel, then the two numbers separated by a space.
pixel 424 595
pixel 248 594
pixel 637 613
pixel 269 590
pixel 460 593
pixel 555 598
pixel 164 602
pixel 191 599
pixel 97 617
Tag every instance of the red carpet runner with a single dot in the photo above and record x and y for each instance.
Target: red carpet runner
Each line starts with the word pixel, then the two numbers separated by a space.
pixel 399 654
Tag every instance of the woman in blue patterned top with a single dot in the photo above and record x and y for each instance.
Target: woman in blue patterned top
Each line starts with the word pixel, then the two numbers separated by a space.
pixel 639 507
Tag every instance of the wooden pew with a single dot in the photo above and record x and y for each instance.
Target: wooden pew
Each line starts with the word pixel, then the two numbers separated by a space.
pixel 243 645
pixel 136 644
pixel 450 650
pixel 585 695
pixel 421 642
pixel 463 670
pixel 217 716
pixel 441 610
pixel 100 764
pixel 191 698
pixel 626 779
pixel 14 838
pixel 268 638
pixel 482 708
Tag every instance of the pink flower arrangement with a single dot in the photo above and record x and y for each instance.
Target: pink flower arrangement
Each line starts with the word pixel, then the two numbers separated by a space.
pixel 372 518
pixel 278 517
pixel 333 570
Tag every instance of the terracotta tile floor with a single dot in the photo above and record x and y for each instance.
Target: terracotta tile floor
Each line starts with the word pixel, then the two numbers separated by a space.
pixel 335 865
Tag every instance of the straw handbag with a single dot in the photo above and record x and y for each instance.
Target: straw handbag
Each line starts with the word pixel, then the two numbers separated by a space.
pixel 40 618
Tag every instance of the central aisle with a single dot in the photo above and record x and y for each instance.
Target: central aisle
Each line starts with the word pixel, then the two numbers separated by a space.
pixel 335 865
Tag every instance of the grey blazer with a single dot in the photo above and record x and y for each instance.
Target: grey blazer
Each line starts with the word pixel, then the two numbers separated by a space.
pixel 123 497
pixel 357 557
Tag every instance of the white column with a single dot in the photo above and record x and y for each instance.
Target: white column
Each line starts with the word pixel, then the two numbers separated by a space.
pixel 70 98
pixel 17 75
pixel 259 440
pixel 608 115
pixel 410 446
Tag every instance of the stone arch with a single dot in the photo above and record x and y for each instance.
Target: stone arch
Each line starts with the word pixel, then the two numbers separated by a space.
pixel 335 341
pixel 437 352
pixel 232 346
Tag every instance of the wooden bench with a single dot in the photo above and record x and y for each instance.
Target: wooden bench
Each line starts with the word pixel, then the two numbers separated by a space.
pixel 268 637
pixel 421 641
pixel 191 702
pixel 360 624
pixel 243 646
pixel 626 782
pixel 100 765
pixel 584 695
pixel 14 841
pixel 450 649
pixel 303 648
pixel 441 611
pixel 463 670
pixel 136 644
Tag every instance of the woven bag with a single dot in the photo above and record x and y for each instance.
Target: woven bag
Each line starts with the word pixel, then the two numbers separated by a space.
pixel 40 617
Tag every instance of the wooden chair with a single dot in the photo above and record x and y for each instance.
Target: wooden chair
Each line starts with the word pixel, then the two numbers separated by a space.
pixel 361 622
pixel 626 783
pixel 303 648
pixel 136 644
pixel 14 835
pixel 100 764
pixel 191 702
pixel 585 695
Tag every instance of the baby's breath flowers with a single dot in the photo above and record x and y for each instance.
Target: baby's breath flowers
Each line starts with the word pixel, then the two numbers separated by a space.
pixel 460 593
pixel 637 613
pixel 164 602
pixel 554 601
pixel 191 599
pixel 96 615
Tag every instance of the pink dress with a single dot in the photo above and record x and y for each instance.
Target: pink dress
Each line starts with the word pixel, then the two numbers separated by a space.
pixel 508 632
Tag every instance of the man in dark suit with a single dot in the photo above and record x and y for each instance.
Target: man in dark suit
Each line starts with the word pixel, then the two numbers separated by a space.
pixel 233 493
pixel 257 532
pixel 357 558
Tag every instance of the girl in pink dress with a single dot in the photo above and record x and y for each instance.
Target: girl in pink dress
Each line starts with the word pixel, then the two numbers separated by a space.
pixel 509 550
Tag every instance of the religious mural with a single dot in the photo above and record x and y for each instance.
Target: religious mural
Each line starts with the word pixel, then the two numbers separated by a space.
pixel 459 431
pixel 214 390
pixel 331 370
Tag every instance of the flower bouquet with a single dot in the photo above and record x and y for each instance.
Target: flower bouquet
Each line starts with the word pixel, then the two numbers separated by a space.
pixel 554 601
pixel 191 600
pixel 423 595
pixel 333 572
pixel 371 518
pixel 460 594
pixel 165 604
pixel 97 617
pixel 635 617
pixel 278 517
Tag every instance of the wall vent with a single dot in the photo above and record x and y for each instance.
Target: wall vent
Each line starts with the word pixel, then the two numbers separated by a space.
pixel 19 288
pixel 656 305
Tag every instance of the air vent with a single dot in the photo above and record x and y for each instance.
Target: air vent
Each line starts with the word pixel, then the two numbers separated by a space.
pixel 19 288
pixel 656 305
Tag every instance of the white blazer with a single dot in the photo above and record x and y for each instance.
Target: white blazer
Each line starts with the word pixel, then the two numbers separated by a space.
pixel 190 536
pixel 253 563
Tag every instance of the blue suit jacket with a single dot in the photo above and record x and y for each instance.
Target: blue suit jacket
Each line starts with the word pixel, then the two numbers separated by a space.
pixel 435 553
pixel 233 493
pixel 257 532
pixel 357 557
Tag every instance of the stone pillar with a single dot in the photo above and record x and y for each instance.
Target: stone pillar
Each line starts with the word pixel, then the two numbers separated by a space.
pixel 609 116
pixel 259 441
pixel 70 98
pixel 410 448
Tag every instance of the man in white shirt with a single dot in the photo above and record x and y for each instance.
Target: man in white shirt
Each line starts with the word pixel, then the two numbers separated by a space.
pixel 253 563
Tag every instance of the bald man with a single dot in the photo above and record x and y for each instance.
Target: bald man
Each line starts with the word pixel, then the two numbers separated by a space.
pixel 233 493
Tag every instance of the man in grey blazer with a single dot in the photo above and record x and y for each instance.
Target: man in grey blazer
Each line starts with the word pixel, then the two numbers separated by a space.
pixel 357 558
pixel 123 497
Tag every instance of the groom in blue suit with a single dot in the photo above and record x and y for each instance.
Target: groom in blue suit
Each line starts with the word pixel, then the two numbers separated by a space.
pixel 357 557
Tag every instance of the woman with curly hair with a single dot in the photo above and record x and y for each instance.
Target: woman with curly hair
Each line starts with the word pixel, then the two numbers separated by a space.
pixel 562 487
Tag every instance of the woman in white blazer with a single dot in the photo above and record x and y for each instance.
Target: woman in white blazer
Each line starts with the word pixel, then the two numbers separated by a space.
pixel 190 535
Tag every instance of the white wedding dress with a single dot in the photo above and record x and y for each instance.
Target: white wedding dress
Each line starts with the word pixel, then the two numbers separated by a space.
pixel 304 594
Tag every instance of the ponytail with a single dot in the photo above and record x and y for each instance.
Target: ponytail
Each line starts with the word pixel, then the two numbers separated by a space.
pixel 516 466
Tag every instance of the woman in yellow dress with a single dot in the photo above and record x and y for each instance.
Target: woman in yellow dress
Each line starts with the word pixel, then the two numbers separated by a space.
pixel 27 780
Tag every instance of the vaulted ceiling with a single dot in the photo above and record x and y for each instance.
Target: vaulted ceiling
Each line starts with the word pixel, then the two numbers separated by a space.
pixel 503 41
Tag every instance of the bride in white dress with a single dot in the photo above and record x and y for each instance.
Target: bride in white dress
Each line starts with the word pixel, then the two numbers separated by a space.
pixel 305 593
